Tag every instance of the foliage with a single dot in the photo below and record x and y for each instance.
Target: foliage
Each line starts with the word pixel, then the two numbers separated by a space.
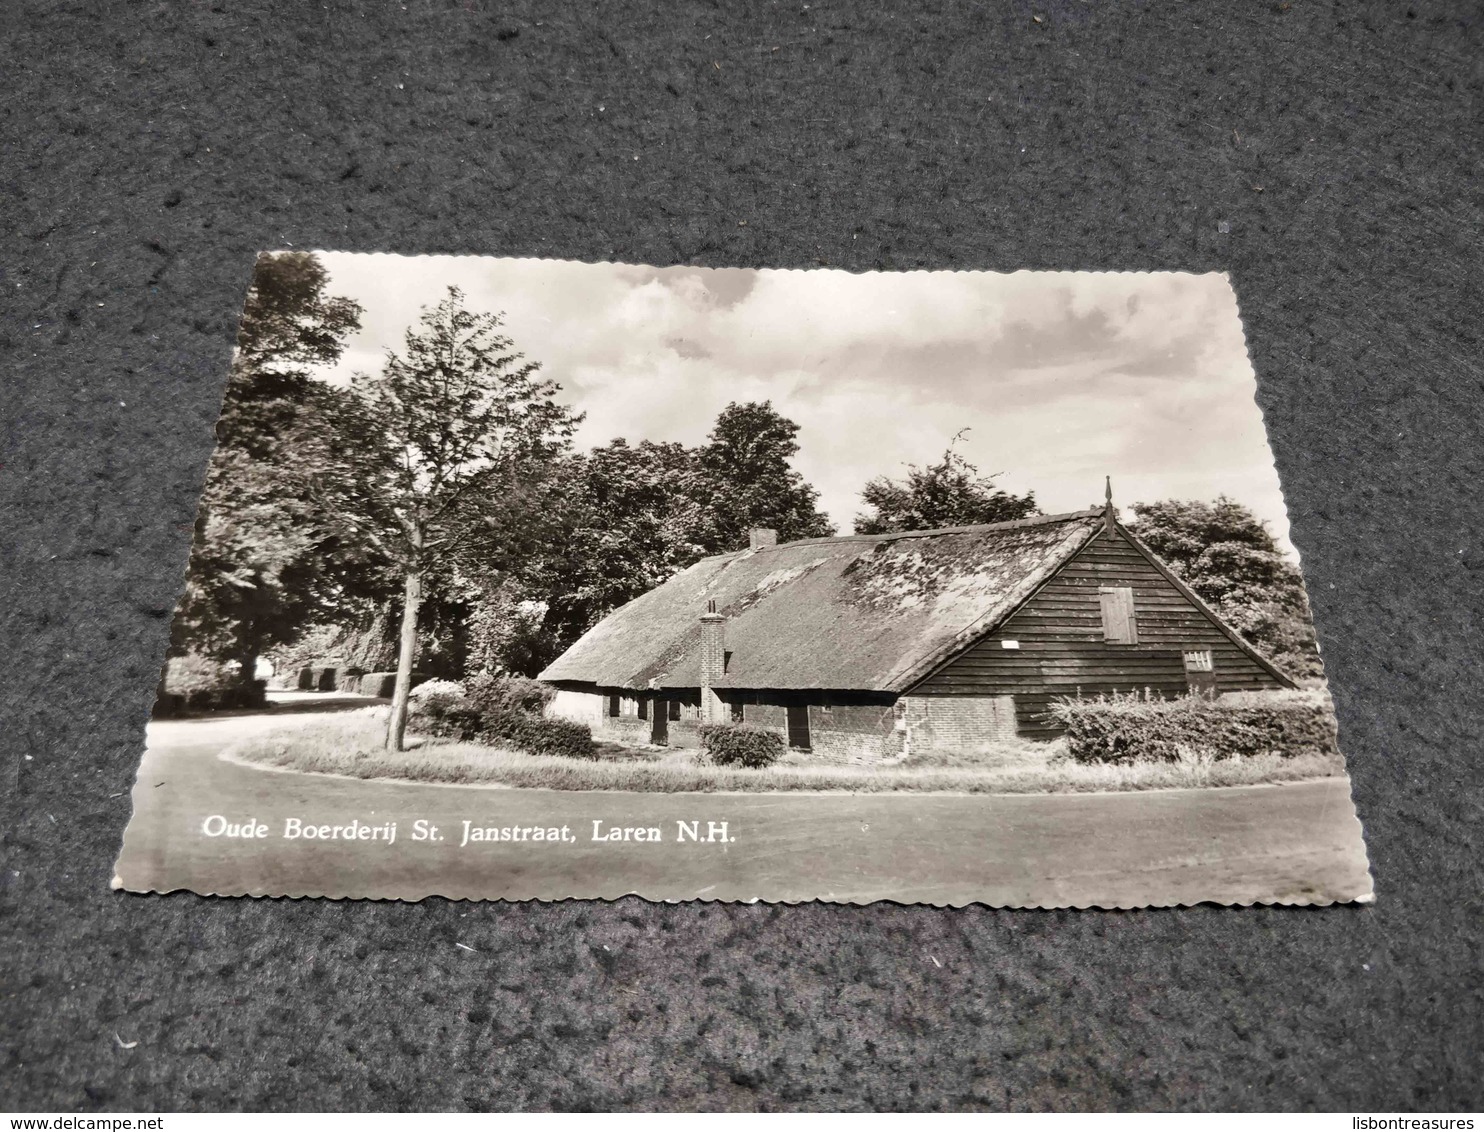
pixel 499 710
pixel 442 451
pixel 1229 557
pixel 950 493
pixel 537 736
pixel 746 480
pixel 633 515
pixel 201 683
pixel 193 673
pixel 741 744
pixel 502 695
pixel 262 563
pixel 508 635
pixel 1126 729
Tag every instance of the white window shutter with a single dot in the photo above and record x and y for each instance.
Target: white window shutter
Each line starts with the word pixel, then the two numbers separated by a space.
pixel 1119 624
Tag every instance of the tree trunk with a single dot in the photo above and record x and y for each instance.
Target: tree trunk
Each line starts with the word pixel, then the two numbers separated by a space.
pixel 412 598
pixel 248 660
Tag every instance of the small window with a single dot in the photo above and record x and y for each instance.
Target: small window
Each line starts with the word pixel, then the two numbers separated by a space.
pixel 899 715
pixel 726 662
pixel 827 710
pixel 674 709
pixel 737 711
pixel 1007 644
pixel 1119 624
pixel 615 706
pixel 1199 660
pixel 643 708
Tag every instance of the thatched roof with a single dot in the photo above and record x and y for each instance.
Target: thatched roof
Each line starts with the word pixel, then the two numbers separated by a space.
pixel 857 612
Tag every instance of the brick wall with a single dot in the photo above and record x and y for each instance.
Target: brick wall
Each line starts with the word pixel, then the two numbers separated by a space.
pixel 852 733
pixel 848 733
pixel 623 729
pixel 958 723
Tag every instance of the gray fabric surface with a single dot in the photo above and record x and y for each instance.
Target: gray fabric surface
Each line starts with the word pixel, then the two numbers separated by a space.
pixel 1327 155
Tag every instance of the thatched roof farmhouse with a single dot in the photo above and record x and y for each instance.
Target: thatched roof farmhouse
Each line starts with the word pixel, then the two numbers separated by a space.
pixel 863 647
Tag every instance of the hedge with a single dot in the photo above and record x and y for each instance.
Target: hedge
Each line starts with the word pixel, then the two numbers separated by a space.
pixel 383 684
pixel 1126 729
pixel 197 683
pixel 537 736
pixel 738 744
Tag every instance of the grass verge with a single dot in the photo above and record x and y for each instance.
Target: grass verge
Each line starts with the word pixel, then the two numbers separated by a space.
pixel 350 745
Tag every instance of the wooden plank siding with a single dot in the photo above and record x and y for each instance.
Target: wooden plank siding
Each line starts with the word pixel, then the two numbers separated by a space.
pixel 1062 651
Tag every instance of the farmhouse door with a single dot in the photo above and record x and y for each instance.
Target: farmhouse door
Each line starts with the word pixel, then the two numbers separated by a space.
pixel 798 726
pixel 659 725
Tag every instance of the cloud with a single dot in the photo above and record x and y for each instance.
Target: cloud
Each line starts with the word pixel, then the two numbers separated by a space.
pixel 1060 378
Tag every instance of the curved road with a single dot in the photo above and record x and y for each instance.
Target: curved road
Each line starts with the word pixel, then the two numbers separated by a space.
pixel 1298 843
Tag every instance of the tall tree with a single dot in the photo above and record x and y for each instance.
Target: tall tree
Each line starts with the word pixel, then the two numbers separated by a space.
pixel 632 520
pixel 746 480
pixel 260 563
pixel 633 515
pixel 950 493
pixel 455 427
pixel 1228 556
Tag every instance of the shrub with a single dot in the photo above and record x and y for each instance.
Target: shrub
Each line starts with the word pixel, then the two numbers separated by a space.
pixel 1126 729
pixel 198 683
pixel 738 744
pixel 537 736
pixel 499 711
pixel 495 695
pixel 192 675
pixel 441 709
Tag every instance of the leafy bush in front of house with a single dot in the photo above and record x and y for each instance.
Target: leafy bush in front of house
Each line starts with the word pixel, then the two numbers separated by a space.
pixel 496 695
pixel 503 711
pixel 537 736
pixel 1128 729
pixel 739 744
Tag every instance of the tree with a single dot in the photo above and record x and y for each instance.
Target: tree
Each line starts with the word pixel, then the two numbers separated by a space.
pixel 632 520
pixel 260 562
pixel 633 515
pixel 745 480
pixel 1228 556
pixel 440 449
pixel 950 493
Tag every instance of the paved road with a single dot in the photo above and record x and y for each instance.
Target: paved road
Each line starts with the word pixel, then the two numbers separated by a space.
pixel 1295 843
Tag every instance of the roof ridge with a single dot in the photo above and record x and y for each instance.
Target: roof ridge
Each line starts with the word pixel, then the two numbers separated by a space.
pixel 976 528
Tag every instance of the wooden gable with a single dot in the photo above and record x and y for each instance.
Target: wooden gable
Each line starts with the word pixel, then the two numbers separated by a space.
pixel 1110 620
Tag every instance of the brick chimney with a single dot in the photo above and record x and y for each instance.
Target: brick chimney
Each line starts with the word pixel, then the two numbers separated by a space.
pixel 713 663
pixel 761 536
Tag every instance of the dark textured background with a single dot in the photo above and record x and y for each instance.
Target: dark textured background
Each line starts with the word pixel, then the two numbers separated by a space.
pixel 1325 154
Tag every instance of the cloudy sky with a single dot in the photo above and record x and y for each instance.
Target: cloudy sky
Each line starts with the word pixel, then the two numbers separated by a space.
pixel 1059 378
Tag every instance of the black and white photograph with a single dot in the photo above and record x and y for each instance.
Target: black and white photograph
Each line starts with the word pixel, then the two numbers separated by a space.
pixel 538 579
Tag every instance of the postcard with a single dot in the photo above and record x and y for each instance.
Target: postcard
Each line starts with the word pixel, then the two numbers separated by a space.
pixel 531 579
